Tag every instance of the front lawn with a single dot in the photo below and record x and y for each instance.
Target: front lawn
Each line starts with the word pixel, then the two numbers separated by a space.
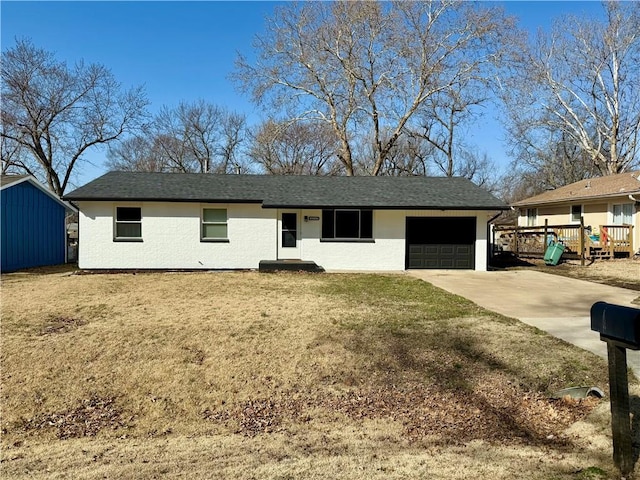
pixel 248 375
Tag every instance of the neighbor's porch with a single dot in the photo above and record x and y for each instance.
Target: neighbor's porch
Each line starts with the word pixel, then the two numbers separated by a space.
pixel 580 242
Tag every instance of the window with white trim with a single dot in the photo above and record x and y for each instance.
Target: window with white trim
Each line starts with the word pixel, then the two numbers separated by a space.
pixel 622 214
pixel 214 224
pixel 347 224
pixel 532 217
pixel 128 224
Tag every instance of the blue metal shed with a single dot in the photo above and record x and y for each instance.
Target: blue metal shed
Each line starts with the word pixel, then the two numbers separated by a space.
pixel 33 231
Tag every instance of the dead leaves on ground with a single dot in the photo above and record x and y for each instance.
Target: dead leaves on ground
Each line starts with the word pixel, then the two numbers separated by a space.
pixel 497 415
pixel 61 324
pixel 92 415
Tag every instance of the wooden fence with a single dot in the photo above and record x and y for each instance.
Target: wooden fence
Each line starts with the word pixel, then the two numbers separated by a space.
pixel 579 242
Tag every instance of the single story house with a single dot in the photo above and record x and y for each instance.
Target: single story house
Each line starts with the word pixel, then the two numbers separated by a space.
pixel 33 224
pixel 133 220
pixel 601 203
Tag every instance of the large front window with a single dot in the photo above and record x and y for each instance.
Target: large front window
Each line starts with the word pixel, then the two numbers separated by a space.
pixel 128 224
pixel 347 224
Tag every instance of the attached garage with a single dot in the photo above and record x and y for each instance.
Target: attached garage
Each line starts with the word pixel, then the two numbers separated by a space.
pixel 375 223
pixel 440 242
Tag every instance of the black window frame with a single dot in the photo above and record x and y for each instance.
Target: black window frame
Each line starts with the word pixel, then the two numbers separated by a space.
pixel 331 229
pixel 289 234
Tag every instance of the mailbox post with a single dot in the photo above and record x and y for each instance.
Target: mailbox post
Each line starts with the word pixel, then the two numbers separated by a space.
pixel 620 328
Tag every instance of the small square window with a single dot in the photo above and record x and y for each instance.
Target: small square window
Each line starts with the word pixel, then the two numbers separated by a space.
pixel 214 224
pixel 128 223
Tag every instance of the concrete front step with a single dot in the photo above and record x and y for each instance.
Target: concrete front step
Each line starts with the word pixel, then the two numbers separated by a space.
pixel 289 265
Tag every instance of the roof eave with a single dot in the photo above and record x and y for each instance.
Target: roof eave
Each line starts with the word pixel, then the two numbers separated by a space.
pixel 523 203
pixel 160 200
pixel 385 207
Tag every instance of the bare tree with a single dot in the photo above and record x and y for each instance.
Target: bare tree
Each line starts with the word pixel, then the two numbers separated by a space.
pixel 295 148
pixel 137 154
pixel 200 137
pixel 409 156
pixel 443 118
pixel 581 80
pixel 369 66
pixel 56 112
pixel 197 137
pixel 233 143
pixel 550 162
pixel 480 169
pixel 11 153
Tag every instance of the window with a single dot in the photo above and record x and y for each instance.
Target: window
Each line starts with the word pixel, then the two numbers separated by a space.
pixel 622 214
pixel 347 224
pixel 128 224
pixel 532 217
pixel 289 229
pixel 214 224
pixel 576 213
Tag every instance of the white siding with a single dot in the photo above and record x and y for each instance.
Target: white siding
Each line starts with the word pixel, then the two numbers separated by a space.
pixel 171 239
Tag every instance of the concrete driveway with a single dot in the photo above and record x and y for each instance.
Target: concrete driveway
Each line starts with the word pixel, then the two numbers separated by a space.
pixel 558 305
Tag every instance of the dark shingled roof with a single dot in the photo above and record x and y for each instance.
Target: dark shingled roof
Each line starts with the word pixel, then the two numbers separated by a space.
pixel 292 191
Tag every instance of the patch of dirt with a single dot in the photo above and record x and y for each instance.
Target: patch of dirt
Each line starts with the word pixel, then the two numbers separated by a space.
pixel 621 272
pixel 194 355
pixel 64 269
pixel 86 420
pixel 499 415
pixel 61 324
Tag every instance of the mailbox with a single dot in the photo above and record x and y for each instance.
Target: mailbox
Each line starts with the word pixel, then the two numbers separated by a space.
pixel 620 327
pixel 617 324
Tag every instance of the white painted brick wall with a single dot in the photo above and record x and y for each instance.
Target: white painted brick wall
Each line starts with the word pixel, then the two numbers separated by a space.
pixel 388 250
pixel 171 239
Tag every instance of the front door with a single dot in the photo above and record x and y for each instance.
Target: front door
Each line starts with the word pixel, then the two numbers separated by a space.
pixel 289 235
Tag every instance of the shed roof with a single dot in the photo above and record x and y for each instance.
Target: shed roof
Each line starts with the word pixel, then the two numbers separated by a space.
pixel 623 184
pixel 9 181
pixel 292 191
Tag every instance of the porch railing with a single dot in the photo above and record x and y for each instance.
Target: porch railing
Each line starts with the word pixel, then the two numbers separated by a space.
pixel 579 241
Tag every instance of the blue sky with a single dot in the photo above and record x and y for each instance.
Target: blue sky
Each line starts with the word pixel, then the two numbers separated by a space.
pixel 186 50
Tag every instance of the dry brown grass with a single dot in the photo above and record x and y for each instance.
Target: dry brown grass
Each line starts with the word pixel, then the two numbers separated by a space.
pixel 245 375
pixel 619 272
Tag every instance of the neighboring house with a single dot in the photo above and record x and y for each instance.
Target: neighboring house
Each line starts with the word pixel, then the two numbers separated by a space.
pixel 203 221
pixel 33 224
pixel 602 203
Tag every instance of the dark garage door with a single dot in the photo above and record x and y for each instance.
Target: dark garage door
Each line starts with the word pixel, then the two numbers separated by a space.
pixel 441 242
